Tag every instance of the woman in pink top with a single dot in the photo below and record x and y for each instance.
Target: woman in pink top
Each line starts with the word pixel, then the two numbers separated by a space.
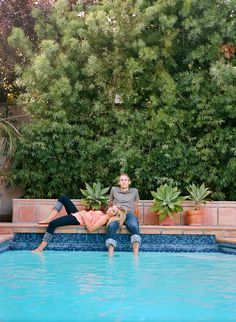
pixel 92 219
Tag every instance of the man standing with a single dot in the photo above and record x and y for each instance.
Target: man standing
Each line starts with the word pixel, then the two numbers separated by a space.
pixel 127 198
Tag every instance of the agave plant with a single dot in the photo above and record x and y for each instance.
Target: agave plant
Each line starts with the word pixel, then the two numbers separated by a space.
pixel 198 194
pixel 95 196
pixel 167 201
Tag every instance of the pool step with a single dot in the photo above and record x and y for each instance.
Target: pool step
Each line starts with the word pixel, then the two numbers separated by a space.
pixel 227 245
pixel 5 240
pixel 5 237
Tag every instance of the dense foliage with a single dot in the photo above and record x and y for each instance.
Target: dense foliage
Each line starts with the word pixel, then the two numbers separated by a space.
pixel 176 121
pixel 15 13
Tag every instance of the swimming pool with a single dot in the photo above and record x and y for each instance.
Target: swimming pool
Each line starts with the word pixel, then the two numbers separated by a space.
pixel 89 286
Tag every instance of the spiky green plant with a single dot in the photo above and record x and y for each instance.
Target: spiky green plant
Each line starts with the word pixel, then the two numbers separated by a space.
pixel 9 135
pixel 167 201
pixel 95 196
pixel 198 194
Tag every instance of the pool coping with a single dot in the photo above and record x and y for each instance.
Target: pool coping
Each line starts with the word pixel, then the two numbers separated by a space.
pixel 218 231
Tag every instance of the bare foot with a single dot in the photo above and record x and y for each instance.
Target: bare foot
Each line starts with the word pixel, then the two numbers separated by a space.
pixel 43 222
pixel 51 216
pixel 37 250
pixel 40 247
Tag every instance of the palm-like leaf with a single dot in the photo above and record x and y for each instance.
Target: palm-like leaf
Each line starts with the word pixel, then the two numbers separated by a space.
pixel 8 140
pixel 89 189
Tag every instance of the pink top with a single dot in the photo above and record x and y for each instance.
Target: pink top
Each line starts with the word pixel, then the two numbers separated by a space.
pixel 92 215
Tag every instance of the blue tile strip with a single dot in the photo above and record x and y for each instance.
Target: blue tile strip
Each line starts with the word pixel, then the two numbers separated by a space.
pixel 96 242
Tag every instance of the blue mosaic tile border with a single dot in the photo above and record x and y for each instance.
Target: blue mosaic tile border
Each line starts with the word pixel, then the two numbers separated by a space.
pixel 96 242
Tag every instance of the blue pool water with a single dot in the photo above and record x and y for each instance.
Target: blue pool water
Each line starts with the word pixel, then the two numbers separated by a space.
pixel 89 286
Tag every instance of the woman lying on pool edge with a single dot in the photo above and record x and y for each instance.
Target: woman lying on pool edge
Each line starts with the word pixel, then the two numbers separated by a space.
pixel 92 219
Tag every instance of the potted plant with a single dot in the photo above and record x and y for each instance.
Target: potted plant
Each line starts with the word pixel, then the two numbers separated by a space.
pixel 198 195
pixel 167 201
pixel 95 197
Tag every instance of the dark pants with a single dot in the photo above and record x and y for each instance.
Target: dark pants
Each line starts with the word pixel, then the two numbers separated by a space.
pixel 132 225
pixel 65 220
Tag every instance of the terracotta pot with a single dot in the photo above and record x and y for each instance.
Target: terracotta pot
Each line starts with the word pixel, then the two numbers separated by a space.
pixel 167 222
pixel 194 217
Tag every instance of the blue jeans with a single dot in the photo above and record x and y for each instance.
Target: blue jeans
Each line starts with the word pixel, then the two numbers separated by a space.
pixel 132 225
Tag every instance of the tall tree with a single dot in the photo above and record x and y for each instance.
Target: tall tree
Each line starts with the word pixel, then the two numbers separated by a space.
pixel 15 13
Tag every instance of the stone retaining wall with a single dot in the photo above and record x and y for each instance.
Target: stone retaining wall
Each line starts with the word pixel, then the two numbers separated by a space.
pixel 217 213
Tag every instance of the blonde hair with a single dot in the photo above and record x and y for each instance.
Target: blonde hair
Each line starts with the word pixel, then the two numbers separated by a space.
pixel 120 216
